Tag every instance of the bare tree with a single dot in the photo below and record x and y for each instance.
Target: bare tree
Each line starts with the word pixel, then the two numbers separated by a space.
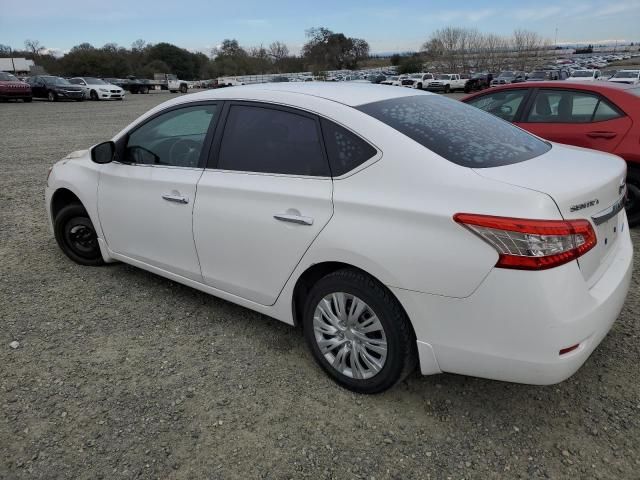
pixel 138 45
pixel 278 51
pixel 34 46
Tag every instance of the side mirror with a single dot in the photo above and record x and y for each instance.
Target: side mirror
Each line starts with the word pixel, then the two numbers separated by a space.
pixel 103 152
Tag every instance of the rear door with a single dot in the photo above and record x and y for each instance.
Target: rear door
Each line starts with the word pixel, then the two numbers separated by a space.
pixel 576 117
pixel 265 197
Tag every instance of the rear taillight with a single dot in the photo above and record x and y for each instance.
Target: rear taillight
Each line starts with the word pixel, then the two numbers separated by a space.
pixel 531 244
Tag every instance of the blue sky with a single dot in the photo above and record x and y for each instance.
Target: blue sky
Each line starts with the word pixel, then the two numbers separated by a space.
pixel 387 25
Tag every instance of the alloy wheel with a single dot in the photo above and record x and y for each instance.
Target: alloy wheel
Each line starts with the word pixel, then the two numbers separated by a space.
pixel 349 335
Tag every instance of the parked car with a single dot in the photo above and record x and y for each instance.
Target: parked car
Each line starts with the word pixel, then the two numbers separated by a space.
pixel 390 80
pixel 590 75
pixel 479 81
pixel 546 75
pixel 508 77
pixel 417 80
pixel 448 82
pixel 98 89
pixel 376 78
pixel 398 227
pixel 630 77
pixel 55 88
pixel 599 115
pixel 13 89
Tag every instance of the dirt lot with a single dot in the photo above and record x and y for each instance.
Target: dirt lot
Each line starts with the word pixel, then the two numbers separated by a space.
pixel 121 374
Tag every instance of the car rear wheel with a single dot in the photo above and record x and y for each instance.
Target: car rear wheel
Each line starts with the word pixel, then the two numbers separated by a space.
pixel 358 332
pixel 76 235
pixel 52 96
pixel 632 204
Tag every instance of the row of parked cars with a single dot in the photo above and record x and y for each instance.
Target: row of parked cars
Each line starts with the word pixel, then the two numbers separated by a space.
pixel 55 88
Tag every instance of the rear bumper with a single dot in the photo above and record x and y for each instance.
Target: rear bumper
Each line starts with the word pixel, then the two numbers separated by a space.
pixel 15 94
pixel 515 324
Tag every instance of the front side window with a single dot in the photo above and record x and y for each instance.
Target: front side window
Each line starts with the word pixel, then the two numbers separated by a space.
pixel 501 104
pixel 266 140
pixel 346 150
pixel 174 138
pixel 462 134
pixel 566 106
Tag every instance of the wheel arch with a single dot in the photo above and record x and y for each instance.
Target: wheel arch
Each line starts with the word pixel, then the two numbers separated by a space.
pixel 61 198
pixel 314 273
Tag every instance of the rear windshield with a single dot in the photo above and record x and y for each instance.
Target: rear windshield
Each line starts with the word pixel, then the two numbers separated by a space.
pixel 458 132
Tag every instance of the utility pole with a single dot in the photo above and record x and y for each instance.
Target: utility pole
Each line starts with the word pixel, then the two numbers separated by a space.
pixel 556 42
pixel 13 64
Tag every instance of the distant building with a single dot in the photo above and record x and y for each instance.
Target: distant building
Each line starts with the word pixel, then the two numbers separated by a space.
pixel 20 66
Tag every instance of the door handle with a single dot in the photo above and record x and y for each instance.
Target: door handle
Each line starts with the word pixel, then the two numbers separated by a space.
pixel 170 197
pixel 601 134
pixel 297 219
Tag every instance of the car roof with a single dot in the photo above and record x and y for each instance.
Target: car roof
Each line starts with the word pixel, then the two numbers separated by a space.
pixel 351 94
pixel 592 86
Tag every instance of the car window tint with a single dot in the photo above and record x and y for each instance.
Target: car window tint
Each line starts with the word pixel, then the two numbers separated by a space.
pixel 501 104
pixel 562 106
pixel 266 140
pixel 346 150
pixel 457 132
pixel 605 111
pixel 174 138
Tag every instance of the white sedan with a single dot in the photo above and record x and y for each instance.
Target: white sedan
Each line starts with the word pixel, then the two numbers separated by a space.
pixel 398 227
pixel 97 89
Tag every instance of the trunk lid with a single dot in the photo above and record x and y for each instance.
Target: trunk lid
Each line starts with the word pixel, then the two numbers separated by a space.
pixel 584 184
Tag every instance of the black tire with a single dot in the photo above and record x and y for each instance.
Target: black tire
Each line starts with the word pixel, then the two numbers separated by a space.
pixel 76 235
pixel 633 197
pixel 401 343
pixel 447 89
pixel 52 96
pixel 419 86
pixel 183 88
pixel 144 90
pixel 93 95
pixel 173 91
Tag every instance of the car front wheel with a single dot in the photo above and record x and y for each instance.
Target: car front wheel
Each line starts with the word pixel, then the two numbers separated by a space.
pixel 358 332
pixel 52 96
pixel 76 235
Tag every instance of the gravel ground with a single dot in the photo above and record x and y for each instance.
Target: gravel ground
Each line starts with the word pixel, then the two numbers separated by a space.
pixel 122 374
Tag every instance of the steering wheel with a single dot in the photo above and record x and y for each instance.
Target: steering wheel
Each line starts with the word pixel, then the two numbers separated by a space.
pixel 184 153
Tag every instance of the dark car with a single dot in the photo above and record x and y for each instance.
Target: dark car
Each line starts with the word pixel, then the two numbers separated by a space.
pixel 479 81
pixel 55 88
pixel 12 88
pixel 508 77
pixel 376 78
pixel 597 115
pixel 546 75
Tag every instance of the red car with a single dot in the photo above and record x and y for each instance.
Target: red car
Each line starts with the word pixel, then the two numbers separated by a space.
pixel 11 87
pixel 599 115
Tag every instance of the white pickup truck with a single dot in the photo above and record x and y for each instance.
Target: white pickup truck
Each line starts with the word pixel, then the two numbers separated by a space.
pixel 448 82
pixel 417 80
pixel 229 82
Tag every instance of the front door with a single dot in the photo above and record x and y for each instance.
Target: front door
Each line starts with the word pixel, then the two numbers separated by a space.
pixel 145 200
pixel 266 200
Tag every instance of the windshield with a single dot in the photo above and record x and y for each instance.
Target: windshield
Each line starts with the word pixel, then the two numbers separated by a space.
pixel 460 133
pixel 627 75
pixel 582 73
pixel 55 81
pixel 7 77
pixel 479 75
pixel 416 75
pixel 443 77
pixel 94 81
pixel 507 74
pixel 538 75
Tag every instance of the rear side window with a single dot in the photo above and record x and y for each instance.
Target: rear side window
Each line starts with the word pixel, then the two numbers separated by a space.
pixel 346 151
pixel 460 133
pixel 566 106
pixel 266 140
